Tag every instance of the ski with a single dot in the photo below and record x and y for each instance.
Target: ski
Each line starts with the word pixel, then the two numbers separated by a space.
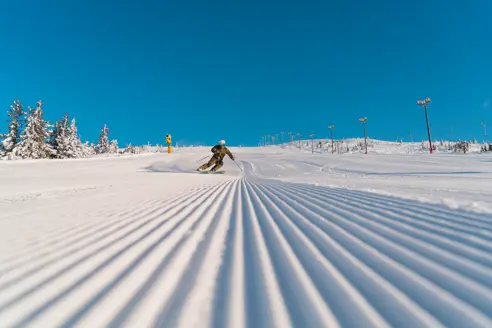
pixel 211 172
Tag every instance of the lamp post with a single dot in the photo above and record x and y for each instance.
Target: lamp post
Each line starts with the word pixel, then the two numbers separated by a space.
pixel 424 104
pixel 331 127
pixel 299 136
pixel 291 138
pixel 363 121
pixel 312 143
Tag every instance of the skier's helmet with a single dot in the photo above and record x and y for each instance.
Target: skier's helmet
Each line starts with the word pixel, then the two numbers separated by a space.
pixel 222 142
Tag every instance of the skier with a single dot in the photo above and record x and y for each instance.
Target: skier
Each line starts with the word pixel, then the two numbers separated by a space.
pixel 219 151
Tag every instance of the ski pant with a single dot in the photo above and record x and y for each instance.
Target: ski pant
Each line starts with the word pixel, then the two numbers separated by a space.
pixel 214 160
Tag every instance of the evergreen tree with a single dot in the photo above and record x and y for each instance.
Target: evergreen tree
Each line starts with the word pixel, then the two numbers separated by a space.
pixel 130 149
pixel 61 138
pixel 114 147
pixel 34 140
pixel 103 144
pixel 13 137
pixel 54 136
pixel 89 149
pixel 76 146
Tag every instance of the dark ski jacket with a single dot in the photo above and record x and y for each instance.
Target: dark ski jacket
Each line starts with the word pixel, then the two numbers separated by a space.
pixel 220 152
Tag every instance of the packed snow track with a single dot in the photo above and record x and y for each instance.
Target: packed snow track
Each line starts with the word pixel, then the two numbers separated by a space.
pixel 167 247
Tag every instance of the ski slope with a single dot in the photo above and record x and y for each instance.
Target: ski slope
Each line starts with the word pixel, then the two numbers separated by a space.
pixel 289 239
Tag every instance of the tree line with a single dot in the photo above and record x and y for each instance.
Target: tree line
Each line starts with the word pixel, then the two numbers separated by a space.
pixel 30 136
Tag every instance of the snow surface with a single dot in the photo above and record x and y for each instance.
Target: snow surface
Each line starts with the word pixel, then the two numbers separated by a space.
pixel 390 239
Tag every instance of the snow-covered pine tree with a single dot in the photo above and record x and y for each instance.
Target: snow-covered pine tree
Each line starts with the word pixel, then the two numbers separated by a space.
pixel 129 149
pixel 66 141
pixel 54 135
pixel 76 146
pixel 13 136
pixel 113 148
pixel 92 149
pixel 34 140
pixel 88 149
pixel 103 144
pixel 60 138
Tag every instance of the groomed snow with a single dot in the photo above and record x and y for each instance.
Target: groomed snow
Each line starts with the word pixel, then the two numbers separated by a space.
pixel 390 239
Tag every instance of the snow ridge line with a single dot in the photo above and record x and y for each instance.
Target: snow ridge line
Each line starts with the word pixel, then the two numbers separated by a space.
pixel 468 219
pixel 93 237
pixel 205 278
pixel 316 265
pixel 236 285
pixel 255 252
pixel 64 276
pixel 294 281
pixel 340 265
pixel 91 221
pixel 395 225
pixel 175 247
pixel 425 274
pixel 268 294
pixel 149 305
pixel 92 231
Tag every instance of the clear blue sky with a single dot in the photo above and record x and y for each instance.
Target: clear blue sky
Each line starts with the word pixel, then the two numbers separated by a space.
pixel 236 70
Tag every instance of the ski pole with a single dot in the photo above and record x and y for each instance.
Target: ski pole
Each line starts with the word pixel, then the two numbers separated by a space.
pixel 238 165
pixel 202 159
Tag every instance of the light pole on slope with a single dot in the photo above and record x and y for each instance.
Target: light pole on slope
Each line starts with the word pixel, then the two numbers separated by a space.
pixel 312 143
pixel 364 121
pixel 299 136
pixel 332 127
pixel 424 104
